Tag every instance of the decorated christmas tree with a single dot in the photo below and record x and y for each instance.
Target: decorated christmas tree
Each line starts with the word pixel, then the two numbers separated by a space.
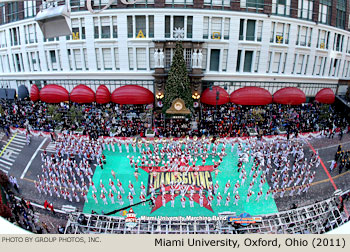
pixel 178 83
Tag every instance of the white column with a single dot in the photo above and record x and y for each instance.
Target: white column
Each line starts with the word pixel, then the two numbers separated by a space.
pixel 134 26
pixel 253 61
pixel 90 42
pixel 256 30
pixel 48 60
pixel 123 43
pixel 241 67
pixel 222 28
pixel 209 29
pixel 134 56
pixel 82 59
pixel 171 26
pixel 233 45
pixel 272 60
pixel 245 29
pixel 147 58
pixel 113 59
pixel 147 27
pixel 102 60
pixel 25 67
pixel 73 59
pixel 58 60
pixel 64 60
pixel 265 40
pixel 185 27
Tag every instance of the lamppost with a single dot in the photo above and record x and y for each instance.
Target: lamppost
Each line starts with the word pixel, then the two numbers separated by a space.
pixel 159 97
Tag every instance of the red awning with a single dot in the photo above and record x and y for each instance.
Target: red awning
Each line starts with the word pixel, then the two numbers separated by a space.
pixel 132 94
pixel 209 96
pixel 103 95
pixel 82 94
pixel 251 96
pixel 53 93
pixel 290 96
pixel 325 95
pixel 34 93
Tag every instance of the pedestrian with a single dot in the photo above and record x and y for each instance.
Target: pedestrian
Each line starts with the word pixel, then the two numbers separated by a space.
pixel 43 224
pixel 52 209
pixel 333 165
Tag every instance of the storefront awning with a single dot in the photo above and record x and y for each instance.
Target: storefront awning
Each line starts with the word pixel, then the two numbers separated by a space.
pixel 290 96
pixel 325 95
pixel 34 93
pixel 251 96
pixel 53 93
pixel 215 96
pixel 82 94
pixel 132 94
pixel 103 95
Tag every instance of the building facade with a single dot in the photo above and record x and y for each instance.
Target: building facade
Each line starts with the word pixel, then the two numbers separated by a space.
pixel 266 43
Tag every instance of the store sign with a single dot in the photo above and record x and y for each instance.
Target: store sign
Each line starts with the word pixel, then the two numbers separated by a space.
pixel 89 5
pixel 75 35
pixel 216 35
pixel 279 39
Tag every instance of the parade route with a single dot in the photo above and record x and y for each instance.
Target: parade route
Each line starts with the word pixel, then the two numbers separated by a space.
pixel 29 164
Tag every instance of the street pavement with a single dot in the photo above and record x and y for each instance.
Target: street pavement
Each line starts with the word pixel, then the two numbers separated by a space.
pixel 25 161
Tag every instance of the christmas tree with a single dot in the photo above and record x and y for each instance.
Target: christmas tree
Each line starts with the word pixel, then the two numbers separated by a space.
pixel 178 83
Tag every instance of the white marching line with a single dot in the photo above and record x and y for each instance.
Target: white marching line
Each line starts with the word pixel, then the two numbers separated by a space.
pixel 4 166
pixel 4 171
pixel 16 145
pixel 21 136
pixel 8 158
pixel 15 150
pixel 20 140
pixel 8 163
pixel 31 160
pixel 331 146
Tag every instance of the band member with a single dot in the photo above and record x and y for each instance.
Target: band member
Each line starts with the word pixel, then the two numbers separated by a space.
pixel 183 201
pixel 131 199
pixel 172 199
pixel 103 197
pixel 131 188
pixel 94 197
pixel 111 196
pixel 143 188
pixel 143 199
pixel 237 197
pixel 218 199
pixel 120 199
pixel 228 199
pixel 250 193
pixel 120 186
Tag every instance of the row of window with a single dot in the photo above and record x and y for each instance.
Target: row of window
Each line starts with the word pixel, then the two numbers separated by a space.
pixel 279 7
pixel 142 58
pixel 141 26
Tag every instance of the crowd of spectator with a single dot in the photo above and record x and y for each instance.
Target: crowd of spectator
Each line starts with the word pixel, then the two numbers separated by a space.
pixel 23 213
pixel 95 120
pixel 133 120
pixel 234 120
